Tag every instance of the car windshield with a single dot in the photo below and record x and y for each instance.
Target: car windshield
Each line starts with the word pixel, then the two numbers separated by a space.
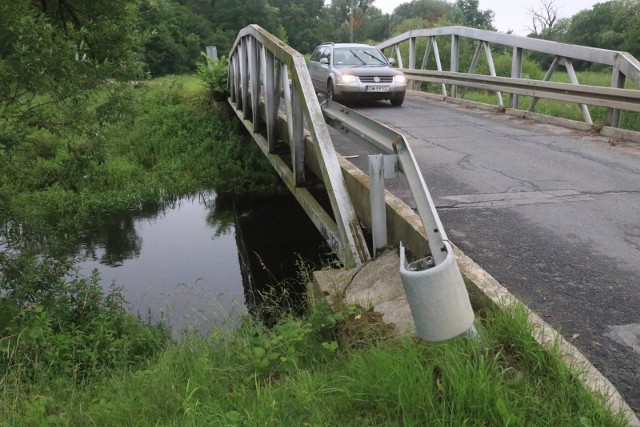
pixel 353 56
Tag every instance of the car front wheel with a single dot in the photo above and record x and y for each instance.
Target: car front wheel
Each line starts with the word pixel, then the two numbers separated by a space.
pixel 397 100
pixel 330 90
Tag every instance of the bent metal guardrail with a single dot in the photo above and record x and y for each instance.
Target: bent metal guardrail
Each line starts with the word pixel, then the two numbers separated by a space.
pixel 616 98
pixel 261 66
pixel 434 287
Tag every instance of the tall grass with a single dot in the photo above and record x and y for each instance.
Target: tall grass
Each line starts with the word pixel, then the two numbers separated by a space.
pixel 295 374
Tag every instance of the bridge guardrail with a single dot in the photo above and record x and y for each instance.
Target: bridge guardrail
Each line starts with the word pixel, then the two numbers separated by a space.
pixel 617 99
pixel 434 286
pixel 263 67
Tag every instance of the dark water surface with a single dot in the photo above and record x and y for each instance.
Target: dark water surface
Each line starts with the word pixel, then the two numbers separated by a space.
pixel 198 262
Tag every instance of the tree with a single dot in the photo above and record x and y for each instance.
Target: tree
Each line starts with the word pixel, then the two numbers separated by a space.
pixel 176 36
pixel 350 16
pixel 302 22
pixel 610 25
pixel 430 11
pixel 472 16
pixel 53 53
pixel 544 17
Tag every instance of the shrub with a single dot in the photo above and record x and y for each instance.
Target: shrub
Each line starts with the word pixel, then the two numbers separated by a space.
pixel 214 72
pixel 53 326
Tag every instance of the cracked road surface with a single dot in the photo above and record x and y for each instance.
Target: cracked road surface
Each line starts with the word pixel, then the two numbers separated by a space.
pixel 551 213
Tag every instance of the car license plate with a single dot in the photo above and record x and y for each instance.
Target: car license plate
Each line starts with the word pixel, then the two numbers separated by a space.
pixel 377 88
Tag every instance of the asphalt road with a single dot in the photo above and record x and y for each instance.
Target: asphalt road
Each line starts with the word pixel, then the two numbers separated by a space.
pixel 553 214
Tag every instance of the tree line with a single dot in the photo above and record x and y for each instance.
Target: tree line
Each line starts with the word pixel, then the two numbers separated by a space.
pixel 167 36
pixel 53 51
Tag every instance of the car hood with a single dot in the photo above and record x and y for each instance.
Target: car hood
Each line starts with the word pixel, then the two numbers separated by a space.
pixel 369 70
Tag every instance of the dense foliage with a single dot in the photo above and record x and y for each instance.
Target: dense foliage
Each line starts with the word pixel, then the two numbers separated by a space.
pixel 56 325
pixel 166 36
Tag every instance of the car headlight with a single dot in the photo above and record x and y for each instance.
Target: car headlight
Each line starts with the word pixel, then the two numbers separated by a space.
pixel 400 79
pixel 347 78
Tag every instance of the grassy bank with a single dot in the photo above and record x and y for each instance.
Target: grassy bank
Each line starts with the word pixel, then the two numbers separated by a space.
pixel 72 355
pixel 169 140
pixel 324 370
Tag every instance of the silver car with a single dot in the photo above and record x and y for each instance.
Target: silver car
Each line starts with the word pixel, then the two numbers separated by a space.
pixel 355 71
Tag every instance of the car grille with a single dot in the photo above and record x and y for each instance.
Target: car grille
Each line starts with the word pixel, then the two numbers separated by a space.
pixel 370 79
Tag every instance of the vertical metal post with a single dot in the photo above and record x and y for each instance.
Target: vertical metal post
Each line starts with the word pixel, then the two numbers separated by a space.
pixel 376 200
pixel 297 137
pixel 231 85
pixel 618 80
pixel 516 73
pixel 244 66
pixel 255 84
pixel 271 110
pixel 412 57
pixel 455 55
pixel 295 117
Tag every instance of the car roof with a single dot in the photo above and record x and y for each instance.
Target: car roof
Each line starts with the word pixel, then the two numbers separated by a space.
pixel 346 44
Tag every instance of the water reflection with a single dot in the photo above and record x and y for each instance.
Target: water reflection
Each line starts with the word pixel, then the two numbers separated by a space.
pixel 200 261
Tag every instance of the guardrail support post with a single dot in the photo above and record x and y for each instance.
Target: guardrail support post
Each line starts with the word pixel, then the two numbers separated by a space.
pixel 376 200
pixel 380 167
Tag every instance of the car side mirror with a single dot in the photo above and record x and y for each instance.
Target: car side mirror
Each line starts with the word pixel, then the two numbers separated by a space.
pixel 392 61
pixel 324 61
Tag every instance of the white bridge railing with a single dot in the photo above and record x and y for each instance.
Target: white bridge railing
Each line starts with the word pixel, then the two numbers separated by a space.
pixel 263 71
pixel 615 98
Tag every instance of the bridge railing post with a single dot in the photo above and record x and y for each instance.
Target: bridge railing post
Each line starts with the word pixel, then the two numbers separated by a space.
pixel 618 79
pixel 455 56
pixel 516 73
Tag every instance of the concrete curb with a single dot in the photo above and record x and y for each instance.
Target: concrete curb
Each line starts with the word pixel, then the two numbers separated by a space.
pixel 484 290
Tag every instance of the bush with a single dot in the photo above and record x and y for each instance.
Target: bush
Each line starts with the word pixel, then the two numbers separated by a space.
pixel 53 326
pixel 214 72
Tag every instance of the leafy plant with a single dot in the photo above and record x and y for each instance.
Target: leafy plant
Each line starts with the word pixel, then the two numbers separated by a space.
pixel 214 72
pixel 51 326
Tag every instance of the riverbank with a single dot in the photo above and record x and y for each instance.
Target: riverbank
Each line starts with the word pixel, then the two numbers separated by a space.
pixel 72 355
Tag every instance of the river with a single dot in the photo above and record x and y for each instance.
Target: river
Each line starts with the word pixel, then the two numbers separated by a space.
pixel 203 261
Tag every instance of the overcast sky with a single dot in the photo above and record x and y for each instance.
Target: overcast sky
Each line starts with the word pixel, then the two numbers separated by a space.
pixel 510 14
